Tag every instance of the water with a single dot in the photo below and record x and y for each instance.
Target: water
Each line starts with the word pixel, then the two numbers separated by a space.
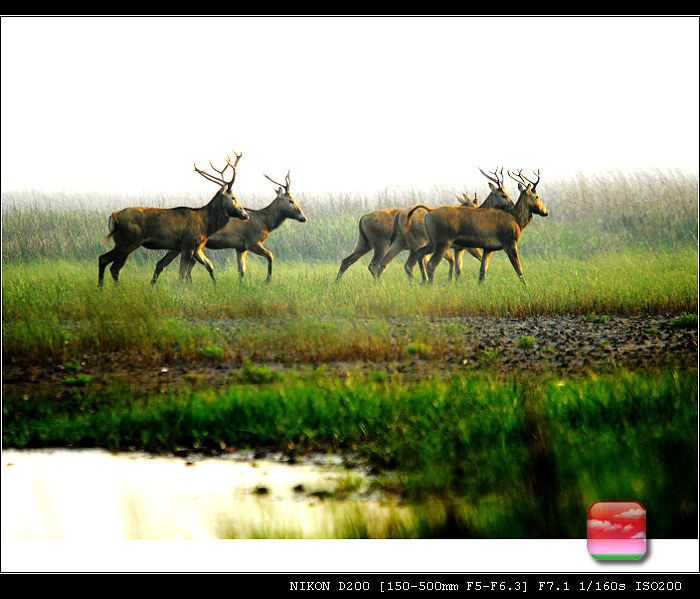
pixel 98 502
pixel 95 494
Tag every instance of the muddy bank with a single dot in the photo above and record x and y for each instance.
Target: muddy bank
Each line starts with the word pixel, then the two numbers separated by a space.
pixel 563 344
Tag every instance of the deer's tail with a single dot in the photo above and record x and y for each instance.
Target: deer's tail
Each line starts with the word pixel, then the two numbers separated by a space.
pixel 363 235
pixel 407 224
pixel 112 226
pixel 395 228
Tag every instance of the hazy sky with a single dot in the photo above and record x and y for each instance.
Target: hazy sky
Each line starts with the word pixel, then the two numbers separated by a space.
pixel 347 103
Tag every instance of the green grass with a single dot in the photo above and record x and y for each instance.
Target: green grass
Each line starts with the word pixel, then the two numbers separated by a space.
pixel 475 455
pixel 526 342
pixel 54 311
pixel 685 321
pixel 518 458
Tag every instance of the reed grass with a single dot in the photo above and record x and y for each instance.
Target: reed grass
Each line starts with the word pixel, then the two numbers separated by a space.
pixel 589 214
pixel 54 311
pixel 475 455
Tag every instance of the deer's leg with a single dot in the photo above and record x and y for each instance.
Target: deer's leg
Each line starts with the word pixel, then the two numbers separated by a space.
pixel 162 264
pixel 117 264
pixel 420 254
pixel 185 258
pixel 410 264
pixel 190 266
pixel 459 253
pixel 394 250
pixel 126 240
pixel 360 250
pixel 423 273
pixel 199 256
pixel 451 261
pixel 515 261
pixel 267 254
pixel 485 257
pixel 186 266
pixel 241 261
pixel 380 251
pixel 117 256
pixel 474 252
pixel 438 254
pixel 102 262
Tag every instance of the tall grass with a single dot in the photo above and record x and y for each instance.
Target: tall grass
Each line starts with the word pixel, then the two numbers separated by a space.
pixel 55 311
pixel 476 455
pixel 521 458
pixel 589 214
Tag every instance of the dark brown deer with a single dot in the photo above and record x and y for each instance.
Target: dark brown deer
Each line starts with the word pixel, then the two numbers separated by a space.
pixel 182 230
pixel 488 229
pixel 248 236
pixel 415 237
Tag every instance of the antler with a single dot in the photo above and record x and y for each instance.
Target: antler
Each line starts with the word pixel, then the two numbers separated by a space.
pixel 537 174
pixel 220 180
pixel 498 181
pixel 523 178
pixel 465 200
pixel 285 186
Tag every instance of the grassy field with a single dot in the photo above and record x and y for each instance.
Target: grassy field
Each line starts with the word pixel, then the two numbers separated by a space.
pixel 55 311
pixel 484 453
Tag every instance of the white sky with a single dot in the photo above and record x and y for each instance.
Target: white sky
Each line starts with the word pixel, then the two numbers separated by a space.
pixel 347 103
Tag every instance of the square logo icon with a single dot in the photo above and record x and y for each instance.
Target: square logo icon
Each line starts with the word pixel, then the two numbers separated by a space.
pixel 617 530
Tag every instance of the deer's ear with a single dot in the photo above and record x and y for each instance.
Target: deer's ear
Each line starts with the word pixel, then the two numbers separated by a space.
pixel 492 186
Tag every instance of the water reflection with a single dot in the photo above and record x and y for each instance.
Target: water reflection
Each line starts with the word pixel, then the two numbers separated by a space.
pixel 95 494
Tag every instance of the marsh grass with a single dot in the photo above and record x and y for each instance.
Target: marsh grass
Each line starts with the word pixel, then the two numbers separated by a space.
pixel 589 214
pixel 476 455
pixel 54 311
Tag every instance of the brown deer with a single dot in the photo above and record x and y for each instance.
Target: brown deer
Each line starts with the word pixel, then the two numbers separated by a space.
pixel 248 236
pixel 375 231
pixel 415 237
pixel 182 230
pixel 376 234
pixel 488 229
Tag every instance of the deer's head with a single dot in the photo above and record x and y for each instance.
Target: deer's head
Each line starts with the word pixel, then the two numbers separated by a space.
pixel 465 200
pixel 230 203
pixel 285 202
pixel 528 192
pixel 498 198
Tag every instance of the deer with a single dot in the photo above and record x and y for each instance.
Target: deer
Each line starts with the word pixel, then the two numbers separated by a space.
pixel 415 237
pixel 489 229
pixel 182 230
pixel 248 236
pixel 375 230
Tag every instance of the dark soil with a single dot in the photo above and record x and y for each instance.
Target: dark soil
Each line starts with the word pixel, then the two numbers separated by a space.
pixel 567 345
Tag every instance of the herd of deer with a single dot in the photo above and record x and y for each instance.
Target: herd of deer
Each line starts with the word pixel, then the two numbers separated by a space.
pixel 224 223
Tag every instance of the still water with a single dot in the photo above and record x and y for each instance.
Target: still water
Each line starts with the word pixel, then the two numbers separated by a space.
pixel 95 494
